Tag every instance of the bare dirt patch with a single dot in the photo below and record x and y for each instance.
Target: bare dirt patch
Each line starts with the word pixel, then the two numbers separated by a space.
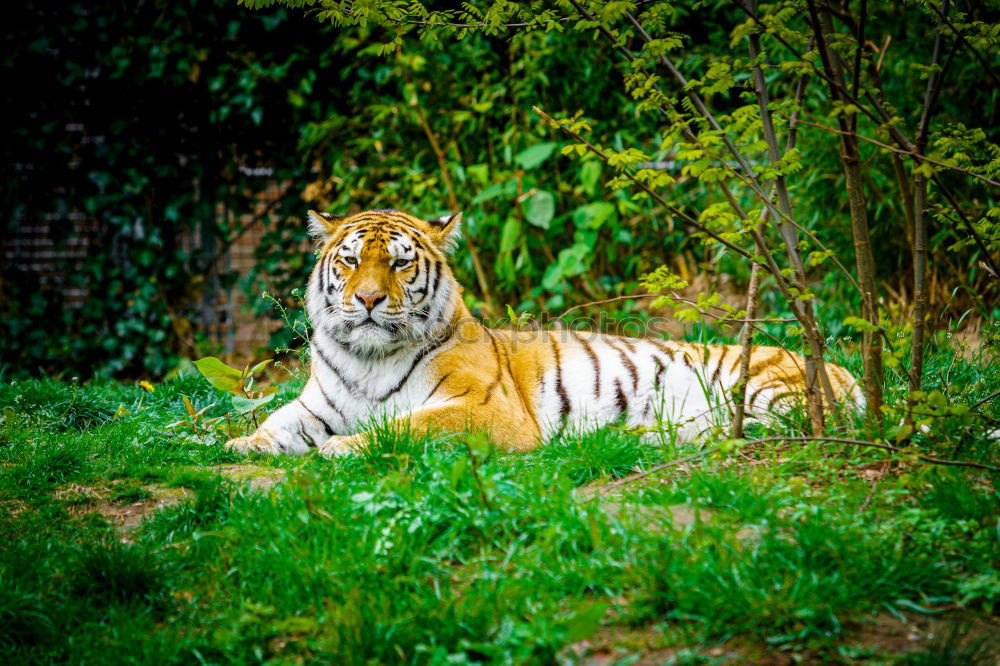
pixel 260 478
pixel 918 633
pixel 879 637
pixel 126 516
pixel 649 646
pixel 13 507
pixel 660 519
pixel 123 515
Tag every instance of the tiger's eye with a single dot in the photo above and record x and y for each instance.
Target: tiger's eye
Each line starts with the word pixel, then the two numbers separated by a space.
pixel 350 261
pixel 400 264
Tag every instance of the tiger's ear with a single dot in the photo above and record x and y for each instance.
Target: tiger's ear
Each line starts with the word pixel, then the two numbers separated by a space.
pixel 323 224
pixel 446 230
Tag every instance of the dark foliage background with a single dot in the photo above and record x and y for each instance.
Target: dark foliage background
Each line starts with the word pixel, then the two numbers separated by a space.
pixel 151 118
pixel 148 118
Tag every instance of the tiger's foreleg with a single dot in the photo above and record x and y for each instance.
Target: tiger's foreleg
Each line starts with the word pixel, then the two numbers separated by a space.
pixel 297 427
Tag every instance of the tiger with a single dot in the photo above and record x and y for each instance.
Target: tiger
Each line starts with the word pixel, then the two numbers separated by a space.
pixel 394 342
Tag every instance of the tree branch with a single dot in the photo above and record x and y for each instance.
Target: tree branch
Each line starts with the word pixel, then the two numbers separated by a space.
pixel 975 52
pixel 900 151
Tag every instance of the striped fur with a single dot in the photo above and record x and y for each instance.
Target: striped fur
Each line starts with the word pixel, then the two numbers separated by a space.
pixel 393 340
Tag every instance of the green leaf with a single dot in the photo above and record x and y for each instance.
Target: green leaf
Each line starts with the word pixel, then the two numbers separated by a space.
pixel 574 260
pixel 540 208
pixel 532 157
pixel 553 276
pixel 592 216
pixel 458 470
pixel 590 174
pixel 245 405
pixel 510 235
pixel 220 375
pixel 859 323
pixel 260 366
pixel 585 622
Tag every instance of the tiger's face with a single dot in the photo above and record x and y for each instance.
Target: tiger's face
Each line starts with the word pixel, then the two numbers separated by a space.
pixel 382 281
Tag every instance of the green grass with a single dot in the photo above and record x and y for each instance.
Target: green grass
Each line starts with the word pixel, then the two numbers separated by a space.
pixel 440 549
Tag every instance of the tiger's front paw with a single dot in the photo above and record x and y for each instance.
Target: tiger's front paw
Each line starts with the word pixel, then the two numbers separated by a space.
pixel 339 446
pixel 256 443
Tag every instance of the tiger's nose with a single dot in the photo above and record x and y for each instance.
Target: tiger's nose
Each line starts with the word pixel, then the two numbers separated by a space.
pixel 370 300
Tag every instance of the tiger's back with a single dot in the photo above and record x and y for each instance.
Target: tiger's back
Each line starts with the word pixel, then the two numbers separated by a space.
pixel 571 380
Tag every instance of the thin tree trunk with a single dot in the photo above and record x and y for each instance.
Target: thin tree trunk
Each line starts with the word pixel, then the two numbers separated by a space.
pixel 850 157
pixel 909 218
pixel 746 340
pixel 813 361
pixel 920 220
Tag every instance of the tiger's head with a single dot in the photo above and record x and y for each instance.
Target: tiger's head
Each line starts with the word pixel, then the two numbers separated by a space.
pixel 382 281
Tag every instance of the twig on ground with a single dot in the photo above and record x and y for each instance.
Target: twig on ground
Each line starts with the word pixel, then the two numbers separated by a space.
pixel 877 445
pixel 656 468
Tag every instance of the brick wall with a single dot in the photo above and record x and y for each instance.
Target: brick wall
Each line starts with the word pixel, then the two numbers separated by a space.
pixel 247 332
pixel 52 247
pixel 35 248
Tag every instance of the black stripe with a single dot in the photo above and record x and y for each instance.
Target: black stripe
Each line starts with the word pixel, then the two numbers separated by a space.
pixel 321 271
pixel 778 397
pixel 348 384
pixel 627 362
pixel 496 380
pixel 764 387
pixel 764 363
pixel 594 360
pixel 662 346
pixel 560 389
pixel 739 357
pixel 330 402
pixel 437 386
pixel 427 275
pixel 620 398
pixel 718 368
pixel 517 387
pixel 305 437
pixel 423 352
pixel 459 395
pixel 326 426
pixel 437 276
pixel 660 367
